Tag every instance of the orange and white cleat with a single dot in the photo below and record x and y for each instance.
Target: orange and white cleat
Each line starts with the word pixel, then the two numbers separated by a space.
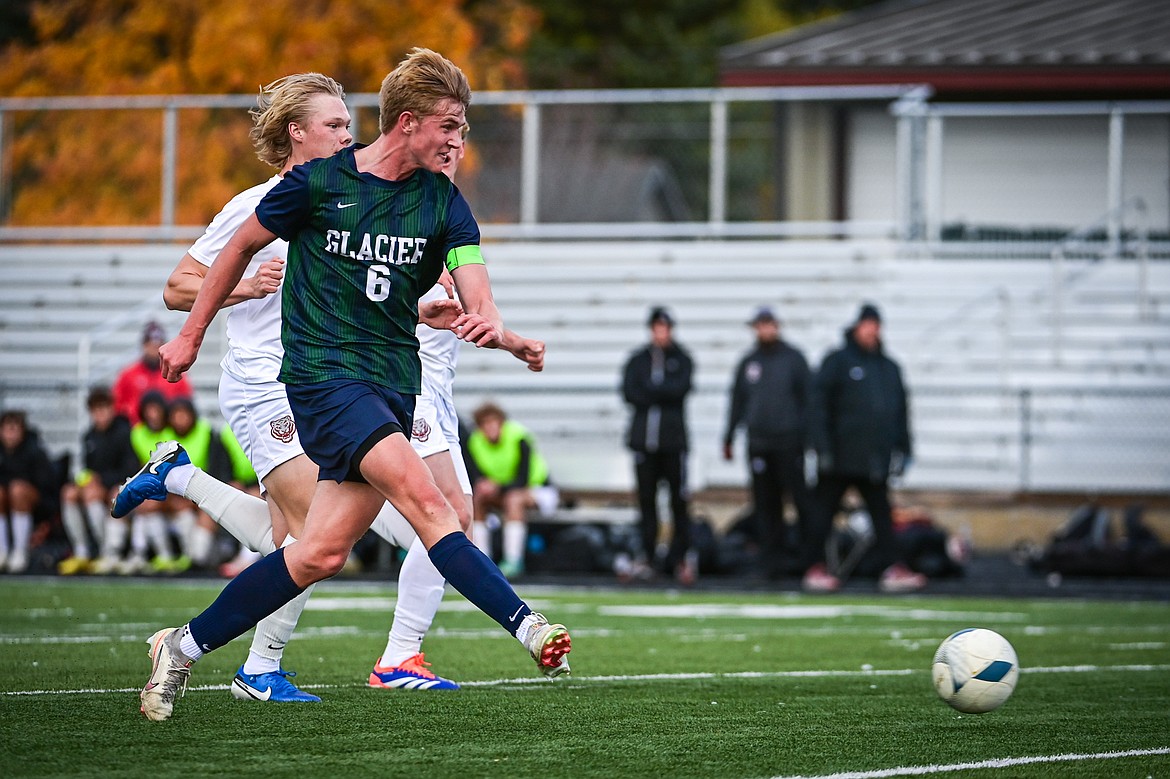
pixel 411 674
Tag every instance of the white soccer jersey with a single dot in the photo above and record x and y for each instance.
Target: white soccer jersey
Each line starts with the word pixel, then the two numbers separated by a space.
pixel 438 350
pixel 253 326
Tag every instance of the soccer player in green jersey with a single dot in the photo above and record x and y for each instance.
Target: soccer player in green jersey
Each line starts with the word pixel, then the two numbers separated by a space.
pixel 369 230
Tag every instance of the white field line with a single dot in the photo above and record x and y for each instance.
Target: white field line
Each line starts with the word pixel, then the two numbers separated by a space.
pixel 1002 762
pixel 134 632
pixel 530 681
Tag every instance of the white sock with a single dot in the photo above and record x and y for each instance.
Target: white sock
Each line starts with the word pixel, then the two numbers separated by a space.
pixel 187 644
pixel 482 537
pixel 97 513
pixel 3 539
pixel 74 522
pixel 245 556
pixel 245 516
pixel 21 531
pixel 139 543
pixel 420 590
pixel 273 633
pixel 200 543
pixel 515 537
pixel 182 524
pixel 178 477
pixel 115 537
pixel 154 530
pixel 392 526
pixel 526 627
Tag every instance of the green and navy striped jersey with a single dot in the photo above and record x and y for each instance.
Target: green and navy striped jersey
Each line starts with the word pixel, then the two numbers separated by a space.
pixel 362 250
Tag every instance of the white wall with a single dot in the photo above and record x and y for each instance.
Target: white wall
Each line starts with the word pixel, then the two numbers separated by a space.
pixel 871 177
pixel 1036 171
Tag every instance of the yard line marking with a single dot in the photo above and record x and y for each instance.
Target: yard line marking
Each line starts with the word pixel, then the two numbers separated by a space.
pixel 798 611
pixel 1003 762
pixel 120 632
pixel 676 677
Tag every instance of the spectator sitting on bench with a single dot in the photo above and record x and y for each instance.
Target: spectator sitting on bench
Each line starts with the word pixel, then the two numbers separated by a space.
pixel 512 478
pixel 26 479
pixel 108 460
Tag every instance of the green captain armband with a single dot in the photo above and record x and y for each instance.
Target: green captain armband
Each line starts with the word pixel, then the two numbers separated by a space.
pixel 464 255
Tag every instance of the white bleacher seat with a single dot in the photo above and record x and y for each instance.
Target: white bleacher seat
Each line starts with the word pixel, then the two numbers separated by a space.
pixel 589 300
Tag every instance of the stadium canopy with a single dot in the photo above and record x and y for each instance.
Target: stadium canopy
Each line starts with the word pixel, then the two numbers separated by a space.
pixel 985 50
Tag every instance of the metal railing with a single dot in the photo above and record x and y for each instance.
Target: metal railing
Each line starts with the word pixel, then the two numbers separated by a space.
pixel 1116 245
pixel 921 139
pixel 531 105
pixel 1092 243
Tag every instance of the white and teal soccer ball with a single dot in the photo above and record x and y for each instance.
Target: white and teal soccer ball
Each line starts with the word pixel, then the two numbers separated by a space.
pixel 975 670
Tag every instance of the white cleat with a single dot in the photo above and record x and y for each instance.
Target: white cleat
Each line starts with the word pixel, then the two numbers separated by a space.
pixel 170 670
pixel 549 645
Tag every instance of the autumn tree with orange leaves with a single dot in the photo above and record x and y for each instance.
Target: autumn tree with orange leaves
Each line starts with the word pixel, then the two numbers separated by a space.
pixel 103 167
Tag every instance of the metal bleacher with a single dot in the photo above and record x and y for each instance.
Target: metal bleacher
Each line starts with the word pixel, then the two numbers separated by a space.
pixel 971 334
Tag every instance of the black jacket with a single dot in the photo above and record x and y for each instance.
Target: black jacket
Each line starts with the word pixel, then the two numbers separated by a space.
pixel 656 383
pixel 858 417
pixel 770 396
pixel 108 452
pixel 29 462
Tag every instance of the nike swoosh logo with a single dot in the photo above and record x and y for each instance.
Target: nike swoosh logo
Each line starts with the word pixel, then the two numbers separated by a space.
pixel 253 692
pixel 154 467
pixel 276 648
pixel 345 205
pixel 517 614
pixel 149 686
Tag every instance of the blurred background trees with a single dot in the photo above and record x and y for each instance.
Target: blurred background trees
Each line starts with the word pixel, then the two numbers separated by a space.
pixel 147 47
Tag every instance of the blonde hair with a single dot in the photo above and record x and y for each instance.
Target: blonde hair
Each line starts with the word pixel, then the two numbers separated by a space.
pixel 282 102
pixel 418 84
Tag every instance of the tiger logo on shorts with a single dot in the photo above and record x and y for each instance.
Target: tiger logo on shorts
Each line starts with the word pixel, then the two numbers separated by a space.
pixel 283 429
pixel 420 431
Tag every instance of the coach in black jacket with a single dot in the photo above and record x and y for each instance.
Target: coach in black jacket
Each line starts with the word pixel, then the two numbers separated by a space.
pixel 655 382
pixel 859 427
pixel 770 398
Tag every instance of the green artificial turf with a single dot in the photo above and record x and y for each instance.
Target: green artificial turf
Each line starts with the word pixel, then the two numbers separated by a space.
pixel 664 684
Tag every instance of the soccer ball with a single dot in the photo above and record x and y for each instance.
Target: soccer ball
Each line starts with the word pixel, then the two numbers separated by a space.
pixel 975 670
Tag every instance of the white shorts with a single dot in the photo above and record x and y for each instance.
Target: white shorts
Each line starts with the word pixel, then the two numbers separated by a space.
pixel 436 430
pixel 260 418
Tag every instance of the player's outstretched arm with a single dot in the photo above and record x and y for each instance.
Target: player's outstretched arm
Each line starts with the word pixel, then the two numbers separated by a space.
pixel 481 323
pixel 528 350
pixel 178 355
pixel 187 278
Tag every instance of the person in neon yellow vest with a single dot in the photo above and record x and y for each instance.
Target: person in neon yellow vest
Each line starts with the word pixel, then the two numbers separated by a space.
pixel 147 528
pixel 513 477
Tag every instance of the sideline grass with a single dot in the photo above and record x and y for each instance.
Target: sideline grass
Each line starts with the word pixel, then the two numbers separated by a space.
pixel 663 685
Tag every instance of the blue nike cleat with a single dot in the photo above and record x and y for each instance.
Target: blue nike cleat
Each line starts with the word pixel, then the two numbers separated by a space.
pixel 411 674
pixel 273 686
pixel 150 481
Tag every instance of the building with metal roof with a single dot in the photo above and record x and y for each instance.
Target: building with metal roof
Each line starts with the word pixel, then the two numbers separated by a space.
pixel 990 49
pixel 1043 115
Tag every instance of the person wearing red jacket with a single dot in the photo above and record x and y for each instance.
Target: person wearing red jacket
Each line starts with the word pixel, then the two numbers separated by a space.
pixel 143 376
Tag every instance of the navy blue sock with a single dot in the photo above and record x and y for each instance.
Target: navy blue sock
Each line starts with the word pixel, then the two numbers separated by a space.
pixel 479 580
pixel 262 588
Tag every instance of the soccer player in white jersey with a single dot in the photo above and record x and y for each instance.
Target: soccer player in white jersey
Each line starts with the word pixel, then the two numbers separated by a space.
pixel 302 117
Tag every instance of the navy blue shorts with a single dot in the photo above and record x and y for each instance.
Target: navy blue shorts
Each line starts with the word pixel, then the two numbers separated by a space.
pixel 340 420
